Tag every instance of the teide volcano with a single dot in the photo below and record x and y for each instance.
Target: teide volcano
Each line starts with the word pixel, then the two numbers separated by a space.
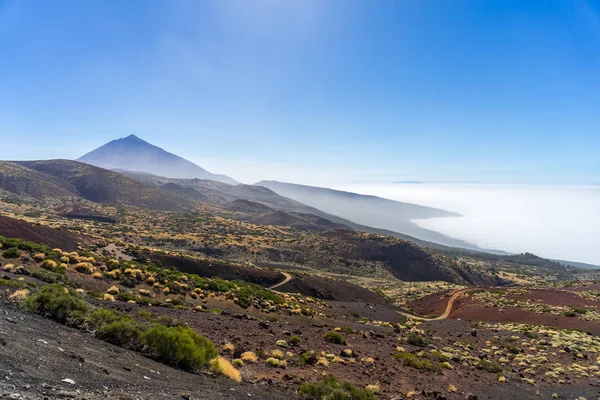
pixel 134 154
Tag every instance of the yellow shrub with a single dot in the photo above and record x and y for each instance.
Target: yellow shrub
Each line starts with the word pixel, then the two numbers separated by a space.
pixel 373 388
pixel 108 297
pixel 84 268
pixel 65 259
pixel 39 256
pixel 323 361
pixel 228 348
pixel 277 354
pixel 97 275
pixel 226 369
pixel 8 268
pixel 249 356
pixel 113 290
pixel 166 290
pixel 57 251
pixel 19 295
pixel 452 389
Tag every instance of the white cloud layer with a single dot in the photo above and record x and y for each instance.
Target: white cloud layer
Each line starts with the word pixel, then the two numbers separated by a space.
pixel 560 222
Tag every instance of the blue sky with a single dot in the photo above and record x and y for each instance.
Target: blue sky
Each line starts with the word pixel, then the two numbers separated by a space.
pixel 312 91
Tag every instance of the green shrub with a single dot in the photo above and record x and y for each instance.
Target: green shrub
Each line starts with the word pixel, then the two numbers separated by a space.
pixel 331 388
pixel 334 337
pixel 124 332
pixel 50 277
pixel 58 303
pixel 412 360
pixel 308 357
pixel 488 366
pixel 417 340
pixel 179 347
pixel 21 244
pixel 512 349
pixel 580 310
pixel 569 314
pixel 15 284
pixel 13 252
pixel 101 317
pixel 295 340
pixel 437 355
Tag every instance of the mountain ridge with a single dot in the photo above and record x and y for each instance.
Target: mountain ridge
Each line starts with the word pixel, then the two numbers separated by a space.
pixel 134 154
pixel 372 211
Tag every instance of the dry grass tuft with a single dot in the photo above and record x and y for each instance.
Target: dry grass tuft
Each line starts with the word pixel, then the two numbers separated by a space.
pixel 228 348
pixel 19 295
pixel 108 297
pixel 249 356
pixel 223 365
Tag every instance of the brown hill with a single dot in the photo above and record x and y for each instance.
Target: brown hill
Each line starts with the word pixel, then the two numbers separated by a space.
pixel 91 183
pixel 55 238
pixel 20 180
pixel 357 253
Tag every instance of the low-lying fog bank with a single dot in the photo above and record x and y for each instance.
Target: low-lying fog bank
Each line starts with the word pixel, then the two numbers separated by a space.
pixel 560 222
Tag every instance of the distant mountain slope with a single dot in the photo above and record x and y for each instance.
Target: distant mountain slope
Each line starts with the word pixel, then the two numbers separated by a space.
pixel 371 211
pixel 134 154
pixel 305 222
pixel 224 194
pixel 20 180
pixel 73 178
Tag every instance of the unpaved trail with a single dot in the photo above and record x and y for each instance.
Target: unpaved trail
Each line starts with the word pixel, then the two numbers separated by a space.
pixel 288 278
pixel 446 313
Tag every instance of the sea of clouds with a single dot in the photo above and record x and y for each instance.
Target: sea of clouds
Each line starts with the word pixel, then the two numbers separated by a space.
pixel 559 222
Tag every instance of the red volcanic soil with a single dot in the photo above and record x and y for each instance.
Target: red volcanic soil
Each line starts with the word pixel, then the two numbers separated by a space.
pixel 555 298
pixel 465 308
pixel 433 304
pixel 583 287
pixel 54 238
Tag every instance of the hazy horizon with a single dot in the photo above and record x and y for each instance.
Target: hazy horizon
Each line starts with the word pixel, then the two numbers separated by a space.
pixel 552 221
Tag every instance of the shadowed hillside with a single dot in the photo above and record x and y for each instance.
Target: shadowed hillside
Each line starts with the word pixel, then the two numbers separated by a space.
pixel 58 178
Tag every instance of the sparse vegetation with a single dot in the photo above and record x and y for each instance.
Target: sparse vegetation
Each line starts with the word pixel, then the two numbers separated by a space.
pixel 488 366
pixel 417 340
pixel 331 388
pixel 334 337
pixel 412 360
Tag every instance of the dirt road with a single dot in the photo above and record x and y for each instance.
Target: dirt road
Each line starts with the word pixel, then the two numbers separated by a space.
pixel 446 313
pixel 288 278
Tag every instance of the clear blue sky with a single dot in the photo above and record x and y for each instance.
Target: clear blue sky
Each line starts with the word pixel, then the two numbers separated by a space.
pixel 311 91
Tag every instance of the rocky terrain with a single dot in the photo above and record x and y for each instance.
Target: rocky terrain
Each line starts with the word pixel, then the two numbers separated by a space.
pixel 133 286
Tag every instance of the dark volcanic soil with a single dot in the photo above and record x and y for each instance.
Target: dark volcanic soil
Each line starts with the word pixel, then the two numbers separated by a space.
pixel 37 354
pixel 329 289
pixel 14 228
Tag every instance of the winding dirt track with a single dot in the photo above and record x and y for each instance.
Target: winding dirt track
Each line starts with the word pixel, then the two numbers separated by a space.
pixel 441 317
pixel 288 278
